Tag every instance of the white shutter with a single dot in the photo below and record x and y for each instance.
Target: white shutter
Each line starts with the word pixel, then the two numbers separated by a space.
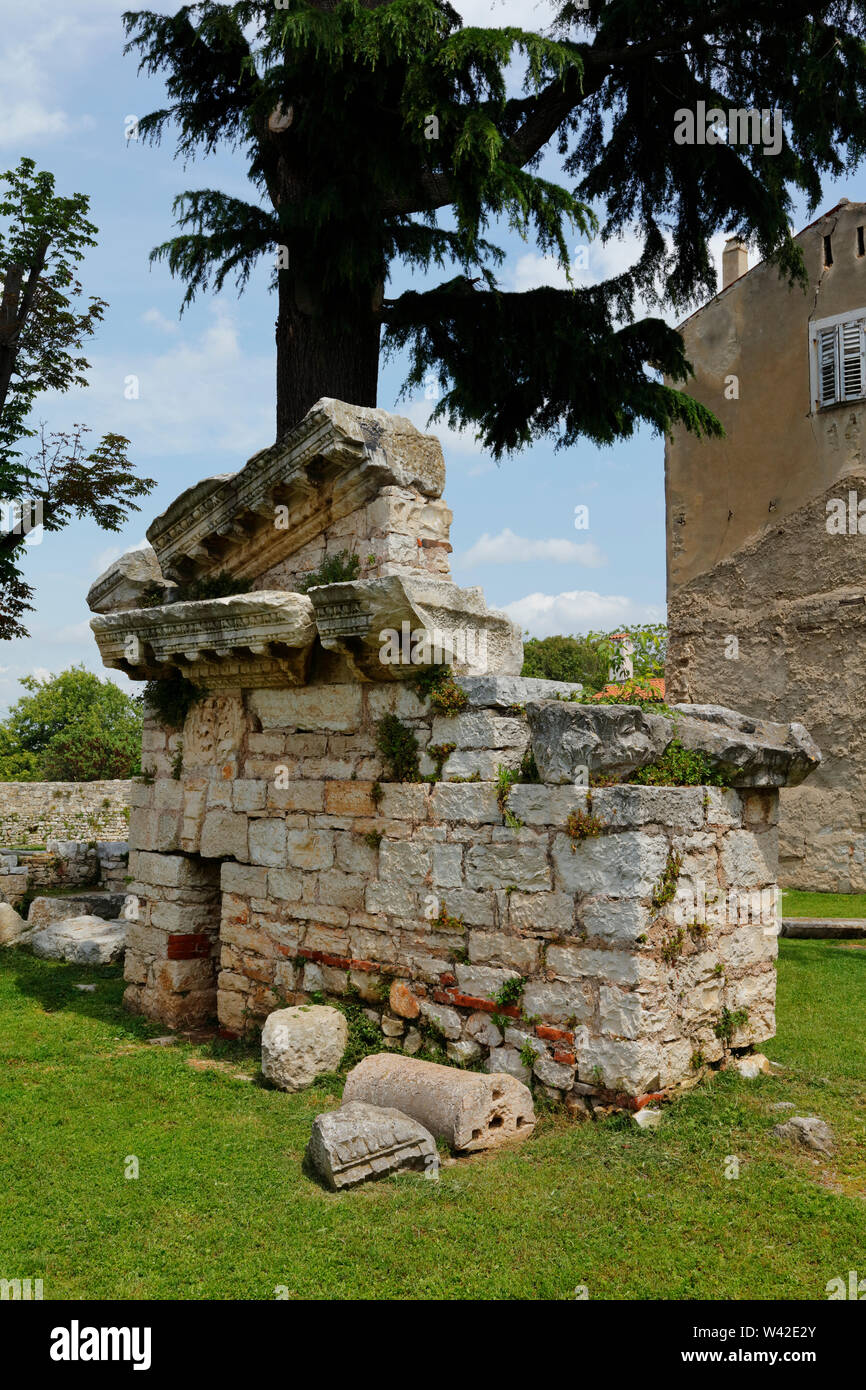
pixel 827 357
pixel 851 373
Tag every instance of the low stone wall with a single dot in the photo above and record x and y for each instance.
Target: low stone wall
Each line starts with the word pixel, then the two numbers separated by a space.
pixel 64 864
pixel 607 940
pixel 32 813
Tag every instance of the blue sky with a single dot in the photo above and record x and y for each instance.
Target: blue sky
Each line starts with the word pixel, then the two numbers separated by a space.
pixel 206 399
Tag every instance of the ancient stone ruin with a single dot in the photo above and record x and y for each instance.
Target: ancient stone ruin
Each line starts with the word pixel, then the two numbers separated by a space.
pixel 338 815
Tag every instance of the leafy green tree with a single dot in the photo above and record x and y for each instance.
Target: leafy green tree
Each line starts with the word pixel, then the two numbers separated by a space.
pixel 383 131
pixel 591 658
pixel 44 321
pixel 72 727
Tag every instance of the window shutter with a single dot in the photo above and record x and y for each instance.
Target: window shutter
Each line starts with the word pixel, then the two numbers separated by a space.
pixel 851 374
pixel 827 365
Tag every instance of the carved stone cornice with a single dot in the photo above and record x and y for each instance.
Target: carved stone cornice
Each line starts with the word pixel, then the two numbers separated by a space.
pixel 263 638
pixel 388 629
pixel 335 460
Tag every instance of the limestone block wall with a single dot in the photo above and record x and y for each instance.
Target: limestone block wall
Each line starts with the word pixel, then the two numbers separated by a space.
pixel 36 812
pixel 282 863
pixel 798 654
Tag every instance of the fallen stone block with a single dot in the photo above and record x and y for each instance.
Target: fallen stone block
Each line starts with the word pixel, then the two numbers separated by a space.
pixel 808 1132
pixel 360 1141
pixel 83 940
pixel 469 1110
pixel 300 1043
pixel 620 739
pixel 12 925
pixel 647 1119
pixel 753 1066
pixel 43 911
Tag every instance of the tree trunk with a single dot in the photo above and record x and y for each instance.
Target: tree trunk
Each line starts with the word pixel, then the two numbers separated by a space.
pixel 323 352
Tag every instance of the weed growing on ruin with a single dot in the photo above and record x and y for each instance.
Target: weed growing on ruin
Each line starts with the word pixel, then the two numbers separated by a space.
pixel 440 753
pixel 698 931
pixel 528 1055
pixel 365 1036
pixel 206 586
pixel 680 767
pixel 698 1060
pixel 437 684
pixel 377 793
pixel 584 824
pixel 475 777
pixel 665 889
pixel 634 692
pixel 505 780
pixel 171 698
pixel 177 762
pixel 509 992
pixel 672 947
pixel 529 768
pixel 334 569
pixel 373 838
pixel 148 776
pixel 730 1022
pixel 399 749
pixel 446 923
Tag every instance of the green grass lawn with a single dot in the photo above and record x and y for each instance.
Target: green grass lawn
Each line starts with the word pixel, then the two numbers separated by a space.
pixel 221 1208
pixel 798 904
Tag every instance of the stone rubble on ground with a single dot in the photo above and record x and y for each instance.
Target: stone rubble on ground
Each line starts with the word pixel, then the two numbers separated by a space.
pixel 84 940
pixel 300 1043
pixel 752 1066
pixel 360 1141
pixel 808 1132
pixel 470 1110
pixel 13 928
pixel 108 906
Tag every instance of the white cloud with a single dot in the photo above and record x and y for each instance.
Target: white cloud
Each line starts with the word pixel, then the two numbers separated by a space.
pixel 578 610
pixel 509 549
pixel 603 261
pixel 203 393
pixel 169 326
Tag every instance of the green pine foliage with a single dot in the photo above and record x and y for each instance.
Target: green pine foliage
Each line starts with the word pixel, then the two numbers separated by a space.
pixel 379 135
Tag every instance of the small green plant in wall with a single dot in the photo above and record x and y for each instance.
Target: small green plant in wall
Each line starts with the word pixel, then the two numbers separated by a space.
pixel 510 992
pixel 665 889
pixel 584 824
pixel 730 1022
pixel 399 749
pixel 672 946
pixel 437 684
pixel 505 780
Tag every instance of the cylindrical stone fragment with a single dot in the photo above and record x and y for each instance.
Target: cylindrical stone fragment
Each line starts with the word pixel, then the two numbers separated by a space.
pixel 470 1110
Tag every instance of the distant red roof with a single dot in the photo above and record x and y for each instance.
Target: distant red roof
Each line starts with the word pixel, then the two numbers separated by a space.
pixel 657 691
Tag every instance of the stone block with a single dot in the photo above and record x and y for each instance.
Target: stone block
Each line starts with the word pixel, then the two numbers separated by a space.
pixel 482 981
pixel 620 865
pixel 268 842
pixel 514 953
pixel 81 940
pixel 310 849
pixel 558 1002
pixel 469 1110
pixel 359 1142
pixel 224 835
pixel 467 801
pixel 498 865
pixel 336 707
pixel 300 1043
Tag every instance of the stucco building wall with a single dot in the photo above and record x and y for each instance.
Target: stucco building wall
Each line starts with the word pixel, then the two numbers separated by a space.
pixel 766 605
